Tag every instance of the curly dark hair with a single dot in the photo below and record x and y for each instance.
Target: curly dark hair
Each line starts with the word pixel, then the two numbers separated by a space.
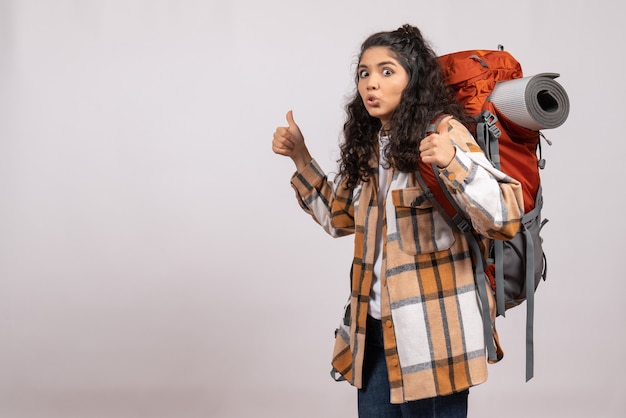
pixel 425 96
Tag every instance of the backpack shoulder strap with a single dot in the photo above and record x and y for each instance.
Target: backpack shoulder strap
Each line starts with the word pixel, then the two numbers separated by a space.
pixel 437 192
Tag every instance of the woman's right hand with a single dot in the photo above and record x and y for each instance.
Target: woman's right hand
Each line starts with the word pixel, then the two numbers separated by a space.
pixel 288 141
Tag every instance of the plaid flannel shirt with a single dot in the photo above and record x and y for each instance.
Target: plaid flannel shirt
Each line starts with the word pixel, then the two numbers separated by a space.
pixel 432 322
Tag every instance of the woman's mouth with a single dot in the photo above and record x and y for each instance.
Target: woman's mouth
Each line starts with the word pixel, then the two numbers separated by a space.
pixel 372 100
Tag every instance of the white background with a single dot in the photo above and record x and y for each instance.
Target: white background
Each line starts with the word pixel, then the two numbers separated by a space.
pixel 153 259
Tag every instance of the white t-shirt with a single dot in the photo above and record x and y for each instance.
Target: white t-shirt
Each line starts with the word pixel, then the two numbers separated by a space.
pixel 383 174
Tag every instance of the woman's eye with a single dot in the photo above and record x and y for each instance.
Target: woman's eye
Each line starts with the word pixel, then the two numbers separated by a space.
pixel 363 74
pixel 387 71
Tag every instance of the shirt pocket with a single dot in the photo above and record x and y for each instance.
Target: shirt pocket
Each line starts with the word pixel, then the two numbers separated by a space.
pixel 421 229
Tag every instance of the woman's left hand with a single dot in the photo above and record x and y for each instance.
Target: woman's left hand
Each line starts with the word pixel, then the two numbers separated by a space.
pixel 437 147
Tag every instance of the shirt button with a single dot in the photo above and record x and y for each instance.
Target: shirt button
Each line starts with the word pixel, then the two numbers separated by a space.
pixel 389 323
pixel 451 176
pixel 394 362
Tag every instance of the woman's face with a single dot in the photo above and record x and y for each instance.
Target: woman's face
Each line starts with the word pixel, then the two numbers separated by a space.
pixel 381 82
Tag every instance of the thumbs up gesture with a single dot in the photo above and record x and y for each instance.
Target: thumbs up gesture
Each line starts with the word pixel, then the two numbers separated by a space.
pixel 288 141
pixel 437 148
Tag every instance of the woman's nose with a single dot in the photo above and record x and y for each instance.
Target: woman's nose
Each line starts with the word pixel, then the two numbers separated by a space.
pixel 372 82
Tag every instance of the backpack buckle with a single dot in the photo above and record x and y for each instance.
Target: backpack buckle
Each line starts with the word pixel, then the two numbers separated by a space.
pixel 419 200
pixel 491 120
pixel 461 223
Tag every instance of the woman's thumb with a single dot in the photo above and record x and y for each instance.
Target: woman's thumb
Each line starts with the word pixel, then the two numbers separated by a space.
pixel 290 121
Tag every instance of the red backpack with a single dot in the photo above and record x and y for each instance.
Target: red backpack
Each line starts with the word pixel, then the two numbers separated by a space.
pixel 486 83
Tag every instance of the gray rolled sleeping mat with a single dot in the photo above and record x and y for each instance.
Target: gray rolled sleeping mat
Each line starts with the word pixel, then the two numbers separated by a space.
pixel 536 102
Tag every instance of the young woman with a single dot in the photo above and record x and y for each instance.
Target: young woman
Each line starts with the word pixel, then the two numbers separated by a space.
pixel 413 341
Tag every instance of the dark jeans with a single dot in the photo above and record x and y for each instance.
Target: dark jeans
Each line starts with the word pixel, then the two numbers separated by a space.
pixel 373 398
